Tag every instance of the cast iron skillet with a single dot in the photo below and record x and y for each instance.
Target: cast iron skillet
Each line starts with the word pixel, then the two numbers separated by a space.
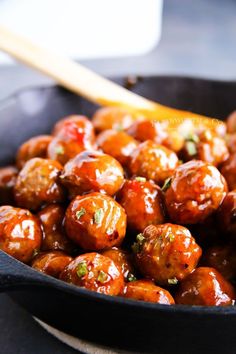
pixel 138 326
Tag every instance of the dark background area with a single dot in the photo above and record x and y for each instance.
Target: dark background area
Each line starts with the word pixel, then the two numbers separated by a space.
pixel 198 39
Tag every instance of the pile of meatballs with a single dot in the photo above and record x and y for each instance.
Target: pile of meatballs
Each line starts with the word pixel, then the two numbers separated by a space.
pixel 125 206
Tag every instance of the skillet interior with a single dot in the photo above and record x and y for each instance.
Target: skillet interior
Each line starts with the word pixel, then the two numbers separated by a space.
pixel 127 324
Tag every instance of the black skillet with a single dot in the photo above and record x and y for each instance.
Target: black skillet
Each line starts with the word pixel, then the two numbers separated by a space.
pixel 126 324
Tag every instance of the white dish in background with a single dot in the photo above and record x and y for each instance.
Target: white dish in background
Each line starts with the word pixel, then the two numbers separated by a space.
pixel 86 29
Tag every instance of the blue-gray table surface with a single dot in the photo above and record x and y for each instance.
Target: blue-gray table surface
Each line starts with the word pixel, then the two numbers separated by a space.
pixel 198 40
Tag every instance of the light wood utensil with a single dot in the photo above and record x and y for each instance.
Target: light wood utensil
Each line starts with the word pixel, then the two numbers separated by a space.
pixel 90 85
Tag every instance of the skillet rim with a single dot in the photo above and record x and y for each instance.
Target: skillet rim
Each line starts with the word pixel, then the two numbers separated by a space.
pixel 43 280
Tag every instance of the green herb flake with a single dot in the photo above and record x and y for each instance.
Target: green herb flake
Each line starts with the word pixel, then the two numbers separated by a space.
pixel 193 137
pixel 140 238
pixel 80 213
pixel 140 179
pixel 166 184
pixel 59 150
pixel 119 127
pixel 191 148
pixel 81 269
pixel 102 277
pixel 136 247
pixel 131 277
pixel 98 216
pixel 171 237
pixel 173 281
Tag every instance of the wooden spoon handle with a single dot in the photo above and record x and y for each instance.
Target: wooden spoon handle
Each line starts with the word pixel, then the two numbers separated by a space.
pixel 69 74
pixel 86 83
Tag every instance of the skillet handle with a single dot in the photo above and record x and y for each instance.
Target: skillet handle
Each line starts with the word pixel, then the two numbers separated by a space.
pixel 15 275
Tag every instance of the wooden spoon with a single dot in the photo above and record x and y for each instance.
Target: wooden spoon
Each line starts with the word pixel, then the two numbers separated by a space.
pixel 93 87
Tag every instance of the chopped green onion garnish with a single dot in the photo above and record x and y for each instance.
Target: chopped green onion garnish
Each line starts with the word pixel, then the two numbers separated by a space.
pixel 166 184
pixel 138 244
pixel 131 277
pixel 98 216
pixel 82 269
pixel 173 281
pixel 191 148
pixel 59 150
pixel 140 179
pixel 80 213
pixel 171 237
pixel 102 277
pixel 193 137
pixel 119 127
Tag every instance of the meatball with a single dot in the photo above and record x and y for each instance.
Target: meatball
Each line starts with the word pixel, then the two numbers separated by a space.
pixel 222 258
pixel 20 233
pixel 143 203
pixel 8 177
pixel 92 171
pixel 34 147
pixel 231 123
pixel 38 184
pixel 123 260
pixel 143 130
pixel 227 214
pixel 228 170
pixel 206 146
pixel 113 118
pixel 195 192
pixel 95 221
pixel 94 272
pixel 72 135
pixel 77 128
pixel 166 253
pixel 54 236
pixel 207 287
pixel 212 149
pixel 153 161
pixel 117 144
pixel 51 263
pixel 146 290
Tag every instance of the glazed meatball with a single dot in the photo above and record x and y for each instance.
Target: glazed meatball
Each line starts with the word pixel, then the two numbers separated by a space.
pixel 231 123
pixel 143 203
pixel 54 237
pixel 34 147
pixel 92 171
pixel 8 177
pixel 228 170
pixel 117 144
pixel 206 146
pixel 123 260
pixel 51 263
pixel 113 118
pixel 94 272
pixel 95 221
pixel 72 135
pixel 77 128
pixel 227 214
pixel 207 287
pixel 212 148
pixel 143 130
pixel 166 253
pixel 153 161
pixel 38 184
pixel 222 258
pixel 20 233
pixel 195 192
pixel 146 290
